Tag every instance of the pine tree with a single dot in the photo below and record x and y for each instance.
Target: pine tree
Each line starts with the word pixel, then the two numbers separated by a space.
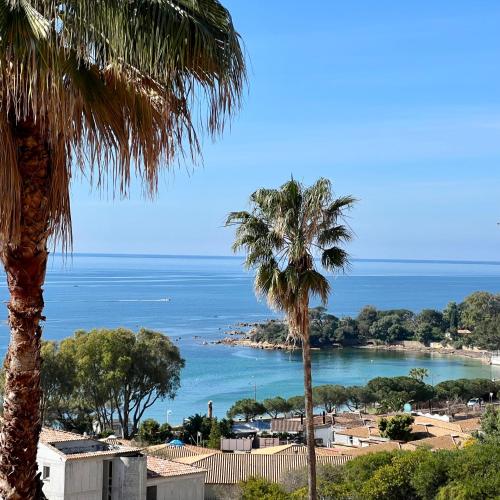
pixel 215 435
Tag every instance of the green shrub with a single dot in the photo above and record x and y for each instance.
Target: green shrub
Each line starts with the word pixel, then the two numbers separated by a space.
pixel 256 488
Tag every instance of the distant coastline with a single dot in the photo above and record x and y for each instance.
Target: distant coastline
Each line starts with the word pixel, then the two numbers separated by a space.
pixel 238 257
pixel 242 340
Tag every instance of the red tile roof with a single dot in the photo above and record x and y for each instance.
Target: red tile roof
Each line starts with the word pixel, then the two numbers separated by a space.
pixel 159 467
pixel 55 436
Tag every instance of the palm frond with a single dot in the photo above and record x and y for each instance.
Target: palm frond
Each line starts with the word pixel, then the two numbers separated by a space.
pixel 314 283
pixel 334 235
pixel 112 85
pixel 335 258
pixel 280 235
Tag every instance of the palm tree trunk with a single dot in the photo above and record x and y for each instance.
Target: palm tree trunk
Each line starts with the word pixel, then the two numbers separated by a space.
pixel 311 448
pixel 25 263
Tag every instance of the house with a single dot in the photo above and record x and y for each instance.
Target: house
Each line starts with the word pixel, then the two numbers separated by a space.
pixel 437 427
pixel 357 436
pixel 75 467
pixel 167 480
pixel 323 431
pixel 323 434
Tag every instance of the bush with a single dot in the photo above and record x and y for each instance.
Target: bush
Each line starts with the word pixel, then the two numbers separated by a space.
pixel 393 480
pixel 397 428
pixel 257 488
pixel 431 472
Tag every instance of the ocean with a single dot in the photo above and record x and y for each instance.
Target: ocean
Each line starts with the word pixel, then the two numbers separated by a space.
pixel 196 299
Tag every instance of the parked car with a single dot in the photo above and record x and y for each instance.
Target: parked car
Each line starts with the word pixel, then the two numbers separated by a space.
pixel 474 402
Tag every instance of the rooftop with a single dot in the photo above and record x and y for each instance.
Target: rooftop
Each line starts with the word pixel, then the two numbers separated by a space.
pixel 434 443
pixel 48 435
pixel 360 432
pixel 293 449
pixel 231 468
pixel 160 467
pixel 173 452
pixel 74 446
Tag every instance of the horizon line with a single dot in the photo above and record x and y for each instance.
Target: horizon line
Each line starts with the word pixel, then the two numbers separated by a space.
pixel 200 256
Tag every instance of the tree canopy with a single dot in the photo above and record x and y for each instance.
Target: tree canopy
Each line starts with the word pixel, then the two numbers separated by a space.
pixel 276 406
pixel 105 375
pixel 397 427
pixel 151 432
pixel 246 408
pixel 479 313
pixel 330 396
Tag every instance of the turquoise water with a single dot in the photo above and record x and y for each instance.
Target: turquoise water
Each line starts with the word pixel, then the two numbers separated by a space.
pixel 207 296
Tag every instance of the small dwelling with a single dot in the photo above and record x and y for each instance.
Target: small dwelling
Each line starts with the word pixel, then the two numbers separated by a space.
pixel 174 481
pixel 75 467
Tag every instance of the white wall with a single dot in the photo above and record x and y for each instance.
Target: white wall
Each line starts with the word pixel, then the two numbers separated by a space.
pixel 129 478
pixel 345 440
pixel 84 479
pixel 190 487
pixel 324 433
pixel 53 487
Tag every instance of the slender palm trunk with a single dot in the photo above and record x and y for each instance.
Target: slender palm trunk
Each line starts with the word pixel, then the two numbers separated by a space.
pixel 306 357
pixel 25 265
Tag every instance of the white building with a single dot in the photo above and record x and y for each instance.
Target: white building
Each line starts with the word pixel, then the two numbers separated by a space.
pixel 357 436
pixel 75 467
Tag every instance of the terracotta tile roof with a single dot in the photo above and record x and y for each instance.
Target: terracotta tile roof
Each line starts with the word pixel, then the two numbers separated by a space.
pixel 469 424
pixel 419 428
pixel 173 452
pixel 120 441
pixel 434 443
pixel 326 452
pixel 388 446
pixel 348 423
pixel 465 426
pixel 360 432
pixel 55 436
pixel 231 468
pixel 159 467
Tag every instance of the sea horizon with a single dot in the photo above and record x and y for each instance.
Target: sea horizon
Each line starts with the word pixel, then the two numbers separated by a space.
pixel 209 295
pixel 240 257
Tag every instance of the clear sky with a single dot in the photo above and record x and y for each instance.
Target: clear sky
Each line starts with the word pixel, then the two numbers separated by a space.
pixel 398 103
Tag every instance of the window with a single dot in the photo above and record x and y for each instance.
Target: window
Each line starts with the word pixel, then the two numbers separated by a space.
pixel 151 493
pixel 45 473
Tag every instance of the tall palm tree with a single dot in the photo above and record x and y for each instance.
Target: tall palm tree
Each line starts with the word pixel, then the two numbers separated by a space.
pixel 286 229
pixel 108 88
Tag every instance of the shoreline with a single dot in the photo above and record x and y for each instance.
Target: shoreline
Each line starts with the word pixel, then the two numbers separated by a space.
pixel 478 355
pixel 246 342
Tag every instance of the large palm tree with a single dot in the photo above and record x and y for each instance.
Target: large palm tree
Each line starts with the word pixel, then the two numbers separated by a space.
pixel 108 88
pixel 285 232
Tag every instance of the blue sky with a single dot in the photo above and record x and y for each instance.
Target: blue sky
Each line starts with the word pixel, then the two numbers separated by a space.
pixel 398 103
